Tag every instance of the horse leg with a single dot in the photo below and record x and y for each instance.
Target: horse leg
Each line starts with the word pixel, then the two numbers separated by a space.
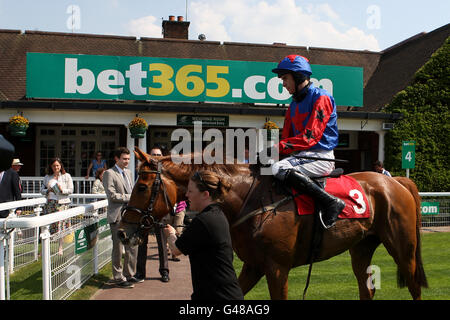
pixel 277 280
pixel 249 277
pixel 361 255
pixel 405 257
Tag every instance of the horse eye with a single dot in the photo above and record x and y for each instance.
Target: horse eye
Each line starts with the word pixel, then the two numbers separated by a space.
pixel 142 187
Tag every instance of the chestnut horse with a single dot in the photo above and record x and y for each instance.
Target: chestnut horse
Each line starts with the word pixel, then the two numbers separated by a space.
pixel 274 241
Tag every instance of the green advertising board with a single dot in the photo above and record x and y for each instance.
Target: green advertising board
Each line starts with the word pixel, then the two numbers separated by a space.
pixel 68 76
pixel 408 154
pixel 429 207
pixel 85 238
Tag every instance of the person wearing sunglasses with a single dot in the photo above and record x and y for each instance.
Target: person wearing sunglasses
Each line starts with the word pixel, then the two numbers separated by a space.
pixel 207 241
pixel 141 267
pixel 96 164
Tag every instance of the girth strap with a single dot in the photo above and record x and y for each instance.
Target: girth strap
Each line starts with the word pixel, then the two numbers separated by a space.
pixel 270 207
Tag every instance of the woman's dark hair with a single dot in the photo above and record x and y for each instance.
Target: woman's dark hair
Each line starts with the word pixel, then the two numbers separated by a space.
pixel 99 172
pixel 207 180
pixel 52 161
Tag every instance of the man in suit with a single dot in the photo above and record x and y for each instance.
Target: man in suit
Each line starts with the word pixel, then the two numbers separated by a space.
pixel 118 186
pixel 9 188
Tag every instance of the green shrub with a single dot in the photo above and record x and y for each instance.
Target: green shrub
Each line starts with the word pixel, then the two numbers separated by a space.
pixel 425 106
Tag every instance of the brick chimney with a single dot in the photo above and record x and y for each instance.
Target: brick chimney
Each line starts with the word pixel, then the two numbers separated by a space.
pixel 175 29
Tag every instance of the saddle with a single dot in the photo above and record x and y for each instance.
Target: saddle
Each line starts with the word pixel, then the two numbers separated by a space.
pixel 278 196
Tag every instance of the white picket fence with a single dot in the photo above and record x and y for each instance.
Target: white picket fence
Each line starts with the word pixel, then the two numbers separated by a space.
pixel 76 243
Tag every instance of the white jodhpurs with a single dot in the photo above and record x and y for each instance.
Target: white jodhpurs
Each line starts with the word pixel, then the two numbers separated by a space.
pixel 308 167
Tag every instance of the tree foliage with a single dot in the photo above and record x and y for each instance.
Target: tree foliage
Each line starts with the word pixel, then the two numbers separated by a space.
pixel 425 107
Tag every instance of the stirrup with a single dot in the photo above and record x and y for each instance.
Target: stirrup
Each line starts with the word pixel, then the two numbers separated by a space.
pixel 325 226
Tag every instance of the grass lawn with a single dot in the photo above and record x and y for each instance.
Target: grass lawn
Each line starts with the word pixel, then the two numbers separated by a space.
pixel 332 279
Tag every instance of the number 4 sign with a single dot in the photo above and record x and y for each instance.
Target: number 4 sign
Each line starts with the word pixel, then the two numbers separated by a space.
pixel 408 154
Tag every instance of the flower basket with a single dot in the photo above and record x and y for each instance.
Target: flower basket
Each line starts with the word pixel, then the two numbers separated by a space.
pixel 272 130
pixel 18 126
pixel 138 128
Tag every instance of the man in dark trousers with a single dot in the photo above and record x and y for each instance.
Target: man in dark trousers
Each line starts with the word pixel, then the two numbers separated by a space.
pixel 9 188
pixel 162 246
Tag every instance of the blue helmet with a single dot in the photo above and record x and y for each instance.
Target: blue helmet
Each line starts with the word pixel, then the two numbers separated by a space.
pixel 293 63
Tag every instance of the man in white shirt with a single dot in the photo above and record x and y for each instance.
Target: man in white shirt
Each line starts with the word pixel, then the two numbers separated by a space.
pixel 378 167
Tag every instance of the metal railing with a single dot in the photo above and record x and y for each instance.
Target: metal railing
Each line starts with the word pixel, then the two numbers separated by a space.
pixel 64 265
pixel 33 184
pixel 76 198
pixel 435 209
pixel 76 243
pixel 24 248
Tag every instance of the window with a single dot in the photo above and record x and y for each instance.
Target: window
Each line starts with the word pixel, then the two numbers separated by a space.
pixel 76 146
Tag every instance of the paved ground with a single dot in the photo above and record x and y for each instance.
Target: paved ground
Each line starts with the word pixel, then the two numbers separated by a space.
pixel 178 288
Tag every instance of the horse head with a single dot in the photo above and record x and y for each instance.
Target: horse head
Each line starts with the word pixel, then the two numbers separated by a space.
pixel 154 196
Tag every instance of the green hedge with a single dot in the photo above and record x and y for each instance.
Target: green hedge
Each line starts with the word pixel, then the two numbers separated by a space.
pixel 425 106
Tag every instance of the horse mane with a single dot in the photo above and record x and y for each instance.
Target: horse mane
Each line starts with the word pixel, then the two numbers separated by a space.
pixel 186 169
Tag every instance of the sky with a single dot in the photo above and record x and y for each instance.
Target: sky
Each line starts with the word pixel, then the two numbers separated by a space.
pixel 343 24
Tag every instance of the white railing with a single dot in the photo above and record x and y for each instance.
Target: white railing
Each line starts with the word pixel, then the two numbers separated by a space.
pixel 64 273
pixel 68 258
pixel 440 218
pixel 24 248
pixel 76 198
pixel 434 194
pixel 33 184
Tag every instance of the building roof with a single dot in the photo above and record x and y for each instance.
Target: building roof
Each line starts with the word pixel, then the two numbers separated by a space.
pixel 398 64
pixel 14 45
pixel 385 73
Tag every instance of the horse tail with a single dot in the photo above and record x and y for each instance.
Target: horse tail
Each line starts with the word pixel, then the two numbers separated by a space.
pixel 420 277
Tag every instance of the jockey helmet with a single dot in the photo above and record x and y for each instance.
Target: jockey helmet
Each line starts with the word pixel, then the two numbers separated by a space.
pixel 293 64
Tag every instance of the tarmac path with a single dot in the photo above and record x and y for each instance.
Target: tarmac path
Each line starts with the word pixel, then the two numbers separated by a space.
pixel 178 288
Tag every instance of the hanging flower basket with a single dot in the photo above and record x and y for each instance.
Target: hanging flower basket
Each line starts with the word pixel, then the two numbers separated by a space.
pixel 138 128
pixel 18 126
pixel 272 130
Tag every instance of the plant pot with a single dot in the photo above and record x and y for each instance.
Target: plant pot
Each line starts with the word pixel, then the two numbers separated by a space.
pixel 18 130
pixel 138 132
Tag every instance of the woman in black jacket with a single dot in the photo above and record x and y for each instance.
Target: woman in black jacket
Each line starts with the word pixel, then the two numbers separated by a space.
pixel 207 240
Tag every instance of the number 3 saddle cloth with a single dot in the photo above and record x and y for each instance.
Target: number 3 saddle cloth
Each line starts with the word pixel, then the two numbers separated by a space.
pixel 345 188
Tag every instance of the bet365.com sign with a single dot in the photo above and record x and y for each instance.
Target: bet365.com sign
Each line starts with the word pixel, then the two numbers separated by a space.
pixel 84 77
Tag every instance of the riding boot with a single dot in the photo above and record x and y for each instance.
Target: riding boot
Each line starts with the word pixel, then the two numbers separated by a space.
pixel 332 206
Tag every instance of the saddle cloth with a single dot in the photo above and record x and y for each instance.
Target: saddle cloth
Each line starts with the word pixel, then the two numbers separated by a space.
pixel 345 188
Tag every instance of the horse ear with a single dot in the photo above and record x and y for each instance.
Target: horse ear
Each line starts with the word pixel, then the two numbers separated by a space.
pixel 141 155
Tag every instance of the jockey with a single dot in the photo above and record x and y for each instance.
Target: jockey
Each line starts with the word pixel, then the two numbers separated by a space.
pixel 310 130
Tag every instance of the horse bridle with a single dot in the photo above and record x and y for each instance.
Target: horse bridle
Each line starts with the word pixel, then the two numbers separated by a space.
pixel 148 220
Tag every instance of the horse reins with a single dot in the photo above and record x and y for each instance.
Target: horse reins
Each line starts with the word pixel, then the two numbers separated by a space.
pixel 148 220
